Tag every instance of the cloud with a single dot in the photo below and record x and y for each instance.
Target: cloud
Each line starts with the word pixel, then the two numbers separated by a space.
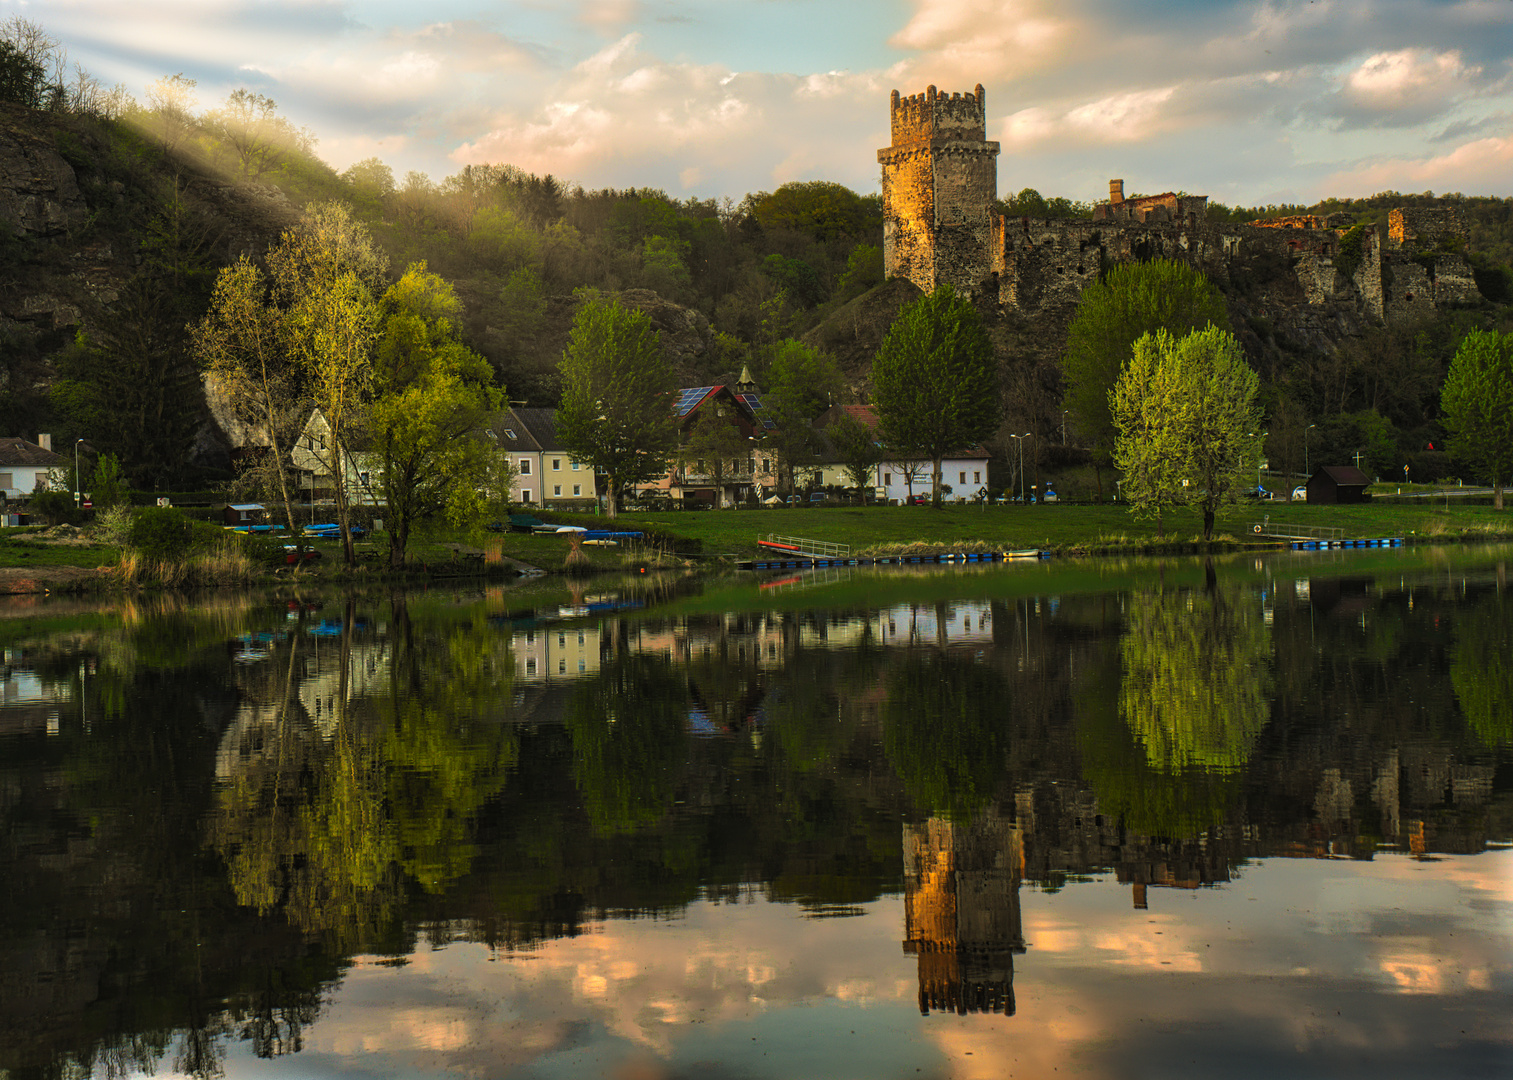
pixel 985 40
pixel 609 16
pixel 623 116
pixel 1482 165
pixel 1405 87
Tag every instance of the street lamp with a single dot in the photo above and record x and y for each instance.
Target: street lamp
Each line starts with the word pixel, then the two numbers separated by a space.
pixel 1063 425
pixel 78 480
pixel 1020 440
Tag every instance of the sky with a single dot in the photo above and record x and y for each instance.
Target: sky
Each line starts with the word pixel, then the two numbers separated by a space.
pixel 1250 103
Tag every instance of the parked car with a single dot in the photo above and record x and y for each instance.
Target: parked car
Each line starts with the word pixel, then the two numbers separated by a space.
pixel 1300 492
pixel 1259 494
pixel 818 497
pixel 917 500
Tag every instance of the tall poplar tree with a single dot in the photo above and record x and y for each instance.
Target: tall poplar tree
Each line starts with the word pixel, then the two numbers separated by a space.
pixel 1132 300
pixel 1477 401
pixel 935 380
pixel 617 396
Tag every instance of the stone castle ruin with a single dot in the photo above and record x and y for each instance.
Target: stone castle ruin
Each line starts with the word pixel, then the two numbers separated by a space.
pixel 939 180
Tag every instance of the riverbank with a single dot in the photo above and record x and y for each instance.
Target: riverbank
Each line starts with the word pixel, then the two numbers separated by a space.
pixel 36 562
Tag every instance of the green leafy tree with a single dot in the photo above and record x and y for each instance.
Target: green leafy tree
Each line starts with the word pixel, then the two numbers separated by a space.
pixel 1132 300
pixel 240 345
pixel 1477 401
pixel 857 445
pixel 327 274
pixel 249 127
pixel 616 411
pixel 935 381
pixel 800 383
pixel 431 398
pixel 818 208
pixel 1187 422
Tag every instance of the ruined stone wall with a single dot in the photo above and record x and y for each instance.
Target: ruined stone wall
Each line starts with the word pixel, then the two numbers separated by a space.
pixel 1422 228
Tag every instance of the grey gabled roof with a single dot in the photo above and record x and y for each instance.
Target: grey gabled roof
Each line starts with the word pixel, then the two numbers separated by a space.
pixel 538 425
pixel 15 451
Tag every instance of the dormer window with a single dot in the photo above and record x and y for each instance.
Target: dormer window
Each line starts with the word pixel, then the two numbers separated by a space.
pixel 509 433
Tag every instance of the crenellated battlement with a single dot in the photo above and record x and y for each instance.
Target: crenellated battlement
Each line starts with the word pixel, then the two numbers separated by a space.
pixel 940 177
pixel 924 118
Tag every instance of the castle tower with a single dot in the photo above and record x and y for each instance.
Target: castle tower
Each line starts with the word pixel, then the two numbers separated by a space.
pixel 940 178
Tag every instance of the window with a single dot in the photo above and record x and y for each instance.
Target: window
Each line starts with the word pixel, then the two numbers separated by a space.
pixel 562 640
pixel 561 667
pixel 976 476
pixel 963 477
pixel 575 466
pixel 698 466
pixel 530 665
pixel 530 637
pixel 556 464
pixel 887 479
pixel 556 489
pixel 582 665
pixel 525 495
pixel 525 466
pixel 577 489
pixel 766 465
pixel 509 434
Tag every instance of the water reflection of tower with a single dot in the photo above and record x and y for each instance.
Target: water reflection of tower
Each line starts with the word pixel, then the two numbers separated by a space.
pixel 961 912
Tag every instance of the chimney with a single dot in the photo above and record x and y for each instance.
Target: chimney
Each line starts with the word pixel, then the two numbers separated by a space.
pixel 45 441
pixel 1116 191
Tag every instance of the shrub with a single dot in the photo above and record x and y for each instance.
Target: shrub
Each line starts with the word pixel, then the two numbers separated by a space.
pixel 161 532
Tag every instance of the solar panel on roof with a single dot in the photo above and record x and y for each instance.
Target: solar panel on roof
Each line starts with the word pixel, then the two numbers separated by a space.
pixel 689 398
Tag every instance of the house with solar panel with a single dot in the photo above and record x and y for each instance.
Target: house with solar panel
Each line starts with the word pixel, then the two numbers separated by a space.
pixel 744 475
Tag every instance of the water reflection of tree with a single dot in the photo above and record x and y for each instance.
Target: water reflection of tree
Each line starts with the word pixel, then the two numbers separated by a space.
pixel 1481 670
pixel 627 729
pixel 1166 725
pixel 331 822
pixel 1197 680
pixel 946 731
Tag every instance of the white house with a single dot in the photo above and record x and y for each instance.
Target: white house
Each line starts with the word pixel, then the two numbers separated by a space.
pixel 314 458
pixel 23 465
pixel 965 472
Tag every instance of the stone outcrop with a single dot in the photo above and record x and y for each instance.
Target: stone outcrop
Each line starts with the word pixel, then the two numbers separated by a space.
pixel 39 193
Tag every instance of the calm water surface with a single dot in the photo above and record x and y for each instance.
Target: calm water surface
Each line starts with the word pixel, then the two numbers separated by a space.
pixel 1250 817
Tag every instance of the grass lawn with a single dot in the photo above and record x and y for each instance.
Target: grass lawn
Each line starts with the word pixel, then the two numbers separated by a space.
pixel 16 550
pixel 1053 526
pixel 879 529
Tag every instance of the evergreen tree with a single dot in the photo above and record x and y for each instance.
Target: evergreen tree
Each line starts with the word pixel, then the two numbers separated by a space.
pixel 935 381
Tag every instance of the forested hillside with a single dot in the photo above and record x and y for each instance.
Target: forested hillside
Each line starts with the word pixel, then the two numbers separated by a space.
pixel 118 214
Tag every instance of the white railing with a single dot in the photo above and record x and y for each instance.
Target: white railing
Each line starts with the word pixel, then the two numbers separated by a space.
pixel 1296 532
pixel 823 548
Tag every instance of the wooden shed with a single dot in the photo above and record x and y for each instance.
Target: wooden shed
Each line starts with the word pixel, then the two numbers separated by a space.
pixel 1338 484
pixel 246 514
